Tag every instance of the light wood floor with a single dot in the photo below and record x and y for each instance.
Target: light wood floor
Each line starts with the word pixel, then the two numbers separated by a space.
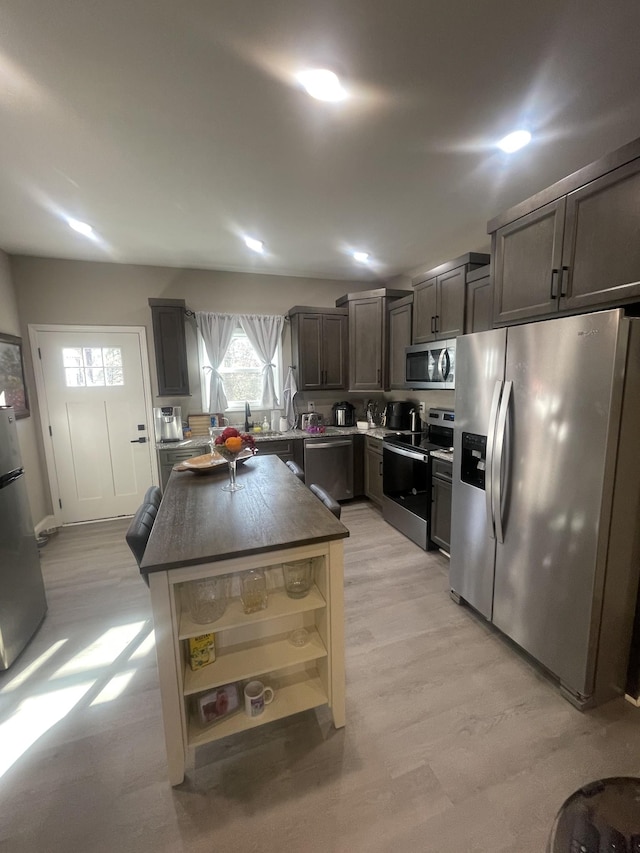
pixel 453 742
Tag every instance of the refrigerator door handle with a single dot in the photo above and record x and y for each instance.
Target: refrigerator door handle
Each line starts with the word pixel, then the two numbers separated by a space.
pixel 498 459
pixel 491 437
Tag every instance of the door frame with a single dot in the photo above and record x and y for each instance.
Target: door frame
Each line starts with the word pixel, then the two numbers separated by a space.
pixel 43 403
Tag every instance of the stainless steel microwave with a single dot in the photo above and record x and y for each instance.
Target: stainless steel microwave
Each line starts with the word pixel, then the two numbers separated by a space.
pixel 431 365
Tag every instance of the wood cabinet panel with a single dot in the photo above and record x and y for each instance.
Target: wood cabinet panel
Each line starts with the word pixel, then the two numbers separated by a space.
pixel 425 309
pixel 366 344
pixel 479 305
pixel 170 345
pixel 450 314
pixel 527 261
pixel 400 324
pixel 319 348
pixel 373 470
pixel 601 256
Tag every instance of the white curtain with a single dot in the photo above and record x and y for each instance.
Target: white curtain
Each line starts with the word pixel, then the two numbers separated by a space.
pixel 216 330
pixel 264 332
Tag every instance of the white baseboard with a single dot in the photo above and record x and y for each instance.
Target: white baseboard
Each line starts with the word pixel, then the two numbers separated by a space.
pixel 633 701
pixel 47 525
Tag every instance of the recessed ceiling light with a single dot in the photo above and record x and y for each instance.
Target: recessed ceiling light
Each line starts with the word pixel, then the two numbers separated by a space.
pixel 322 84
pixel 514 141
pixel 255 245
pixel 80 227
pixel 361 257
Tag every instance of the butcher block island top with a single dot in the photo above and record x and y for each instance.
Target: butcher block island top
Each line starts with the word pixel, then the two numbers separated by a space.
pixel 202 532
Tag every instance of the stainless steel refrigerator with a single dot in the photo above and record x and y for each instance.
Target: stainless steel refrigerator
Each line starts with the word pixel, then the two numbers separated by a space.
pixel 546 492
pixel 22 599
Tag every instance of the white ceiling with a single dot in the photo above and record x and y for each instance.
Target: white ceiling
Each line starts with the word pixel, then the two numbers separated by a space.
pixel 174 127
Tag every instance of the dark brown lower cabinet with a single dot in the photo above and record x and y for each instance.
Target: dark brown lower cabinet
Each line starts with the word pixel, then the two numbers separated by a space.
pixel 373 469
pixel 441 503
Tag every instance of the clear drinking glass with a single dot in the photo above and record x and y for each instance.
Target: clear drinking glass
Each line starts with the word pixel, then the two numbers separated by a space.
pixel 298 578
pixel 208 598
pixel 253 591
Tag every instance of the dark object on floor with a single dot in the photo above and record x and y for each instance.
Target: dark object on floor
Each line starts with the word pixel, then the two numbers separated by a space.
pixel 326 499
pixel 297 470
pixel 601 816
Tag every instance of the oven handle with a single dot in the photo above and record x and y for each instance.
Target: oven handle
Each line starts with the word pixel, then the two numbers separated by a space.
pixel 491 437
pixel 411 454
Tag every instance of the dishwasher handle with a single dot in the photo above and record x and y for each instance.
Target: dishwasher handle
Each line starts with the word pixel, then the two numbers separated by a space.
pixel 323 445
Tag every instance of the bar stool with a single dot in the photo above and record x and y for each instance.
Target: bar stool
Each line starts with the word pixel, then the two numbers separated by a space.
pixel 153 496
pixel 297 470
pixel 326 499
pixel 139 531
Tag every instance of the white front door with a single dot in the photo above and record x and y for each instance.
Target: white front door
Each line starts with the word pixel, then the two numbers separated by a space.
pixel 95 409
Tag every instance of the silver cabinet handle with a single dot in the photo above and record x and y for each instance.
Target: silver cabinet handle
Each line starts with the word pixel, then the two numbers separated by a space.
pixel 498 459
pixel 491 437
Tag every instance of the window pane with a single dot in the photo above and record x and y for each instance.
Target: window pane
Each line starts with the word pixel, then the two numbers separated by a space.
pixel 92 356
pixel 240 355
pixel 72 356
pixel 114 376
pixel 241 385
pixel 74 377
pixel 112 356
pixel 95 376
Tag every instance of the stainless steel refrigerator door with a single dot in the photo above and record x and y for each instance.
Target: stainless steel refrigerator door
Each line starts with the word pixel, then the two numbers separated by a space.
pixel 22 599
pixel 561 439
pixel 480 369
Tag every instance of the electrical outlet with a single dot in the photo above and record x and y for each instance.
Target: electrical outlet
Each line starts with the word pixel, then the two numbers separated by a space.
pixel 311 407
pixel 422 408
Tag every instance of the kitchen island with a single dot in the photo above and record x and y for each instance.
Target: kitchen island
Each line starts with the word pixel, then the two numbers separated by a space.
pixel 202 532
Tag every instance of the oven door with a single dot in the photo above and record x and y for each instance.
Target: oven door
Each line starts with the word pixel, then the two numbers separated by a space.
pixel 406 487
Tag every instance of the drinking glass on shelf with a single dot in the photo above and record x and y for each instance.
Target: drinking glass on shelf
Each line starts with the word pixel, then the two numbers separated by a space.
pixel 298 578
pixel 208 598
pixel 253 591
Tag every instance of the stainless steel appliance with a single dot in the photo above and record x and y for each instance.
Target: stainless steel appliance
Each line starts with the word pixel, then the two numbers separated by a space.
pixel 22 599
pixel 546 492
pixel 328 462
pixel 432 365
pixel 397 414
pixel 168 423
pixel 406 476
pixel 344 414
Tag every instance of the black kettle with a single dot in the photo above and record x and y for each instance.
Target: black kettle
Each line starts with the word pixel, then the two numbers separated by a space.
pixel 343 414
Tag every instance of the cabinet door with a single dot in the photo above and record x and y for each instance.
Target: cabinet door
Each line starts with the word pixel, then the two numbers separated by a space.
pixel 528 256
pixel 170 346
pixel 479 314
pixel 334 351
pixel 309 356
pixel 424 311
pixel 441 513
pixel 373 472
pixel 601 255
pixel 365 344
pixel 399 339
pixel 450 304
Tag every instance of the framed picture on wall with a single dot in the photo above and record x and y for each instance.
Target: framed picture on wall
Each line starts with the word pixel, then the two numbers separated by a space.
pixel 13 390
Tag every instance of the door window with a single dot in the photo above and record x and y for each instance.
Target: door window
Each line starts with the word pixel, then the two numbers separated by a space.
pixel 87 367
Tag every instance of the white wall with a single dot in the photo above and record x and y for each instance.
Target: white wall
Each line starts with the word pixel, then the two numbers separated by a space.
pixel 26 427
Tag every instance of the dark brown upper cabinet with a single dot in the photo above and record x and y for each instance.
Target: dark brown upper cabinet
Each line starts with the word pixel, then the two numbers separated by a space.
pixel 479 311
pixel 573 247
pixel 439 298
pixel 319 347
pixel 169 341
pixel 368 337
pixel 400 319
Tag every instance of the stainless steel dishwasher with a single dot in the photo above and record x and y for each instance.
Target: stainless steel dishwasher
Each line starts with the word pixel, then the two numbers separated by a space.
pixel 328 462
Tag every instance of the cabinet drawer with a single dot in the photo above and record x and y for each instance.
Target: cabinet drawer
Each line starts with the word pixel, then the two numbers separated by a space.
pixel 373 444
pixel 283 449
pixel 442 470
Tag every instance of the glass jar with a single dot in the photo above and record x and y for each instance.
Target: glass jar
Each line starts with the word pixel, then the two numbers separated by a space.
pixel 208 598
pixel 298 578
pixel 253 591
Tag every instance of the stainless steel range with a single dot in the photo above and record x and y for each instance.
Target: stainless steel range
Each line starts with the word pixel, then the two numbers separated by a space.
pixel 406 476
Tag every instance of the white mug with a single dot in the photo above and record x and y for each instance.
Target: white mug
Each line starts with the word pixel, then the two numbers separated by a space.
pixel 284 425
pixel 256 696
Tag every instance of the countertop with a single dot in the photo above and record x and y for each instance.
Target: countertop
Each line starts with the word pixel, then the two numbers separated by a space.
pixel 444 455
pixel 296 434
pixel 199 523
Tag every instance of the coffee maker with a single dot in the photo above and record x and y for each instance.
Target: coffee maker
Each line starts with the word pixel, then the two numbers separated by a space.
pixel 168 423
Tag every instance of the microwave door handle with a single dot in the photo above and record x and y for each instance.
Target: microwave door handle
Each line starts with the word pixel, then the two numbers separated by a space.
pixel 498 459
pixel 446 370
pixel 441 373
pixel 491 437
